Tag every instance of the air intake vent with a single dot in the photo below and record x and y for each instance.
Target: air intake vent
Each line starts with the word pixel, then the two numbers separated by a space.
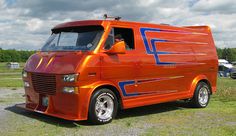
pixel 44 83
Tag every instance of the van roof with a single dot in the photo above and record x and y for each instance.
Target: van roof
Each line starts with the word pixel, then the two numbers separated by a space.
pixel 78 23
pixel 121 22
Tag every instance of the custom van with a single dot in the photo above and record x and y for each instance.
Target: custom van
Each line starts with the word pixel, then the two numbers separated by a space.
pixel 87 70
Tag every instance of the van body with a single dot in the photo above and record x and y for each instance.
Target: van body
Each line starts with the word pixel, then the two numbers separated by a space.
pixel 82 72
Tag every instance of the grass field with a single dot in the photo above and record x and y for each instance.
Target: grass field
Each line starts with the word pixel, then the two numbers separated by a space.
pixel 10 77
pixel 175 118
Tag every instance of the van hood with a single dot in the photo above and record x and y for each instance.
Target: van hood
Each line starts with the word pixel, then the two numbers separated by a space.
pixel 54 62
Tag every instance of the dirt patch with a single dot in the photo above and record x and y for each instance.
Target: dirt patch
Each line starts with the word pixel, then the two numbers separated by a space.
pixel 10 91
pixel 2 112
pixel 4 94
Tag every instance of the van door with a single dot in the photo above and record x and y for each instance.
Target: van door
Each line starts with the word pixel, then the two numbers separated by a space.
pixel 120 68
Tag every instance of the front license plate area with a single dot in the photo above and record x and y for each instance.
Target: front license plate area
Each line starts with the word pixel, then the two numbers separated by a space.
pixel 45 101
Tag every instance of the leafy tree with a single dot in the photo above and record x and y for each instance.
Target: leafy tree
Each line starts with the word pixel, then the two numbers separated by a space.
pixel 14 55
pixel 227 54
pixel 219 53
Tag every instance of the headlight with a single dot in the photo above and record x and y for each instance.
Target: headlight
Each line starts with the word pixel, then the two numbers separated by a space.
pixel 73 90
pixel 26 84
pixel 24 73
pixel 70 78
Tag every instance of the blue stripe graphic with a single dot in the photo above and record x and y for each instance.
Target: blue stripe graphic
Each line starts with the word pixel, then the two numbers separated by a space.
pixel 122 87
pixel 154 51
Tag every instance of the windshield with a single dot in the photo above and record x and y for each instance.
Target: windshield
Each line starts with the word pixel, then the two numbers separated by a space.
pixel 73 39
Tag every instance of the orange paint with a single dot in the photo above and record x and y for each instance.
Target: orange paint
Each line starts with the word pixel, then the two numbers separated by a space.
pixel 164 64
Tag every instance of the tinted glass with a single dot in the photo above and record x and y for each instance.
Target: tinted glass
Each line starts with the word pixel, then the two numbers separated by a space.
pixel 71 39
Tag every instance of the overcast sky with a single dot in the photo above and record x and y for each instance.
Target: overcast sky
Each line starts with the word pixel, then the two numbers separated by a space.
pixel 26 24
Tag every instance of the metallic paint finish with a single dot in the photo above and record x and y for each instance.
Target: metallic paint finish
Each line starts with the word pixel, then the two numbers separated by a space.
pixel 165 65
pixel 40 62
pixel 154 50
pixel 122 87
pixel 50 61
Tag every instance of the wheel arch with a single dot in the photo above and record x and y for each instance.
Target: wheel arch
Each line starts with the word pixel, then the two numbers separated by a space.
pixel 113 89
pixel 207 82
pixel 196 80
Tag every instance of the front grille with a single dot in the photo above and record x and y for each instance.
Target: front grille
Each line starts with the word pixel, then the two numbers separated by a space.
pixel 44 83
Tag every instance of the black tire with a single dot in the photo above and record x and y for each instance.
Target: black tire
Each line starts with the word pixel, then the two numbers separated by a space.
pixel 231 75
pixel 95 99
pixel 197 101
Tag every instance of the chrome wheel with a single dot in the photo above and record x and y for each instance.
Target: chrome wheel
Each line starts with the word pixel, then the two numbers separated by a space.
pixel 104 107
pixel 203 96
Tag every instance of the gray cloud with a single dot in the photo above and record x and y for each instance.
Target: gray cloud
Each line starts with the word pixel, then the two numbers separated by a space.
pixel 25 24
pixel 215 6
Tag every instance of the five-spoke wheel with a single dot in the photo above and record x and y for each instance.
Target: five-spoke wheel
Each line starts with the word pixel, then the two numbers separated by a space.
pixel 103 106
pixel 201 95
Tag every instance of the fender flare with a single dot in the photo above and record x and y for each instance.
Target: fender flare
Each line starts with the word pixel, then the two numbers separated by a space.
pixel 92 88
pixel 99 84
pixel 195 82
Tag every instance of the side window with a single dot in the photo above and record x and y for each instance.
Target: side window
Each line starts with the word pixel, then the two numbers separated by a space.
pixel 110 40
pixel 120 34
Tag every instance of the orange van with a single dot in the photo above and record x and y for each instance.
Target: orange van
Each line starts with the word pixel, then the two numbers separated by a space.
pixel 87 70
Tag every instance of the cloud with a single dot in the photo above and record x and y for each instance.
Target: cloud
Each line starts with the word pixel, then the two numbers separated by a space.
pixel 2 4
pixel 215 6
pixel 26 24
pixel 34 24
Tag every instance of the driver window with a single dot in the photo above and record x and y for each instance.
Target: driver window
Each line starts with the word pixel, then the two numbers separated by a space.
pixel 110 40
pixel 120 34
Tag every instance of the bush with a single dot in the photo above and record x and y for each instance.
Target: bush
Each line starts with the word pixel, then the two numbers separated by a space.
pixel 14 55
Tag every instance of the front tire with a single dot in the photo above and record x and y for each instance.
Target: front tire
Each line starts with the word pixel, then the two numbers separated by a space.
pixel 103 106
pixel 201 96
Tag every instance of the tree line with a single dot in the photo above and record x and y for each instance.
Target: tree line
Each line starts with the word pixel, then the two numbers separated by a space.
pixel 21 56
pixel 14 55
pixel 228 54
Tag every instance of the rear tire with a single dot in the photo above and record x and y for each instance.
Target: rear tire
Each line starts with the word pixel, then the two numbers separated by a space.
pixel 201 96
pixel 103 106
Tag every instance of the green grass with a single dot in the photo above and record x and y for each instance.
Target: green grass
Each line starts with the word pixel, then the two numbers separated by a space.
pixel 11 83
pixel 218 119
pixel 4 69
pixel 226 90
pixel 10 77
pixel 175 118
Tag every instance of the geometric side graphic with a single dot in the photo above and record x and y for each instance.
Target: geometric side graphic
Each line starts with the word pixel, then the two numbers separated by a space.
pixel 151 48
pixel 123 84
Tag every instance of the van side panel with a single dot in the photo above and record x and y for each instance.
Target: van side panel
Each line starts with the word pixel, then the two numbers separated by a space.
pixel 166 65
pixel 173 60
pixel 209 59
